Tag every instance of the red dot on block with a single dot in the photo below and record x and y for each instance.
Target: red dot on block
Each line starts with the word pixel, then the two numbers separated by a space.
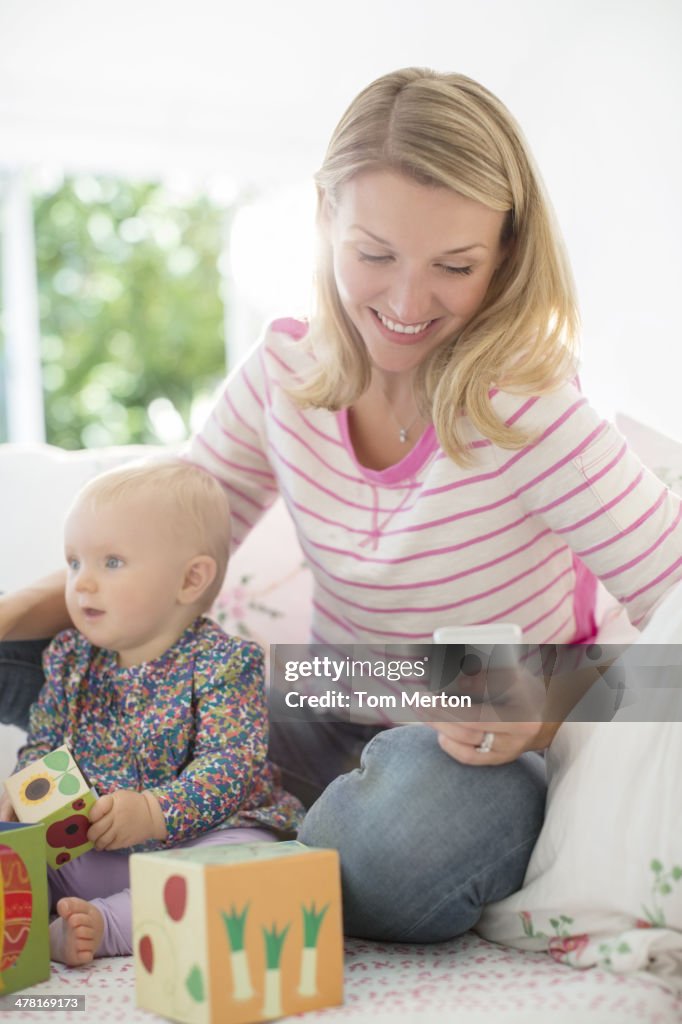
pixel 175 896
pixel 146 950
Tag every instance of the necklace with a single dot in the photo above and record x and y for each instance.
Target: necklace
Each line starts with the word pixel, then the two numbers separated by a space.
pixel 403 432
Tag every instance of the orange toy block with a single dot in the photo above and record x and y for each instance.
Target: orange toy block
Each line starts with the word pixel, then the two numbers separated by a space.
pixel 238 933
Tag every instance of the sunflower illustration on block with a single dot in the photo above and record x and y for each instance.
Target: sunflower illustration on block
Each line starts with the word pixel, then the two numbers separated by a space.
pixel 54 791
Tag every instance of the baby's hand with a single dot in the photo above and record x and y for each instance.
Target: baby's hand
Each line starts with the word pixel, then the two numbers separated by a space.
pixel 7 812
pixel 119 820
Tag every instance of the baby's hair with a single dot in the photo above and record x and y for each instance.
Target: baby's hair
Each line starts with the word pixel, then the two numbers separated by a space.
pixel 193 503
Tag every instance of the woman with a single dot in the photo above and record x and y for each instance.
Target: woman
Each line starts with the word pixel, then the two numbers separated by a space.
pixel 441 467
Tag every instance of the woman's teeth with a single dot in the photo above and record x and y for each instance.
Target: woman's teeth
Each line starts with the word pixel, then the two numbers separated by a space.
pixel 402 328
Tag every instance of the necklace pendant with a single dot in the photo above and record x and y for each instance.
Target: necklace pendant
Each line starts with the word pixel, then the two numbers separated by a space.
pixel 403 435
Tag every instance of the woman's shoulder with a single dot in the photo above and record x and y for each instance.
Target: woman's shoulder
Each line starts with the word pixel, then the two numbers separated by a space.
pixel 562 411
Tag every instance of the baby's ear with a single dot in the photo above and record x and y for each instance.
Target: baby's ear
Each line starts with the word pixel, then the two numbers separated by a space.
pixel 200 572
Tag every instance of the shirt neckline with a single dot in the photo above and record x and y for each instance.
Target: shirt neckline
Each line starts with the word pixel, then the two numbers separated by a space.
pixel 406 468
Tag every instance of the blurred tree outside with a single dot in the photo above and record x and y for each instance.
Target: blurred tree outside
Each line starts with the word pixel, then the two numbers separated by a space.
pixel 132 317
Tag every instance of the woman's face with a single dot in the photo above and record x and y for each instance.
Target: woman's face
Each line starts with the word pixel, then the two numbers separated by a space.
pixel 412 263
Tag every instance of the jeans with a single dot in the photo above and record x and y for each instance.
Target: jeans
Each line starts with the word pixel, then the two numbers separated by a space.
pixel 21 677
pixel 426 842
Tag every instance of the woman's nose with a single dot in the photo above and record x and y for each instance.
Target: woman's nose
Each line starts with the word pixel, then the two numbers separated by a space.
pixel 410 300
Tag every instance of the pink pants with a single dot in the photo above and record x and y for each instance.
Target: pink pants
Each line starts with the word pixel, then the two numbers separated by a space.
pixel 103 879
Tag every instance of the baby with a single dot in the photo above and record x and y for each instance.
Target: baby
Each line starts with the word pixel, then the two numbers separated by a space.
pixel 164 712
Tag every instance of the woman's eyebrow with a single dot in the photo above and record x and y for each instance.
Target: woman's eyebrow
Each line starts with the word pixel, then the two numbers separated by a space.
pixel 447 252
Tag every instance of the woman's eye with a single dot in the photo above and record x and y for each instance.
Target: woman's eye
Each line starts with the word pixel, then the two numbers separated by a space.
pixel 456 270
pixel 113 563
pixel 369 258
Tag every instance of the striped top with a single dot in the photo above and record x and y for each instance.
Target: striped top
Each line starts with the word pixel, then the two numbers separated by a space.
pixel 395 553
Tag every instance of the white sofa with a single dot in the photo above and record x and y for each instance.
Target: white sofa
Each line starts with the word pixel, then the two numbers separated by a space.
pixel 267 596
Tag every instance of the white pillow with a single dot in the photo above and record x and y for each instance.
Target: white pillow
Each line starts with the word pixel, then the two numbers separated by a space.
pixel 604 883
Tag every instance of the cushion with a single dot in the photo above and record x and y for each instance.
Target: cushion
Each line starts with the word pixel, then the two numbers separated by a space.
pixel 604 883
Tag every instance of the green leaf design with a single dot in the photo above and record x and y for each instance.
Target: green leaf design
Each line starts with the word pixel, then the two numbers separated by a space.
pixel 677 873
pixel 656 866
pixel 195 984
pixel 68 785
pixel 58 760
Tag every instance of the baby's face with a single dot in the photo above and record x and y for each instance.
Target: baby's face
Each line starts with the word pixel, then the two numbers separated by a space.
pixel 124 572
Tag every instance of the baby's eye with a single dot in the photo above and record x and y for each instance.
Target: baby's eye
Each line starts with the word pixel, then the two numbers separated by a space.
pixel 72 563
pixel 113 562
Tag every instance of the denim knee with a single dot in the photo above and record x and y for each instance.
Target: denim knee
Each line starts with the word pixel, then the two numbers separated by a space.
pixel 426 842
pixel 21 678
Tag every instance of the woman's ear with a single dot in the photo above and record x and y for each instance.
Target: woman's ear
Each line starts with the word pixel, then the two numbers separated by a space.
pixel 200 572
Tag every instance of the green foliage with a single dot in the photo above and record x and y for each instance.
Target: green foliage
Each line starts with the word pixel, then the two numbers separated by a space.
pixel 130 308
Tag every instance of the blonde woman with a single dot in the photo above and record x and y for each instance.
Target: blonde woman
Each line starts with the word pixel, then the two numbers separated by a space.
pixel 428 436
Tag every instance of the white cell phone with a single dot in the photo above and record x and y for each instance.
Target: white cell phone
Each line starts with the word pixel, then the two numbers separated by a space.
pixel 498 641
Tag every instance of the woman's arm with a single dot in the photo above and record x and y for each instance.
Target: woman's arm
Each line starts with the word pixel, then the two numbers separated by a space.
pixel 35 611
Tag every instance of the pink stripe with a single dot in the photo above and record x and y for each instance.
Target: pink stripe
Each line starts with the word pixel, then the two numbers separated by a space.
pixel 332 618
pixel 256 397
pixel 438 581
pixel 520 412
pixel 547 614
pixel 320 433
pixel 469 599
pixel 584 600
pixel 644 554
pixel 338 472
pixel 296 329
pixel 266 377
pixel 236 465
pixel 241 442
pixel 531 597
pixel 325 490
pixel 493 474
pixel 556 632
pixel 237 415
pixel 480 509
pixel 420 554
pixel 662 576
pixel 585 485
pixel 605 508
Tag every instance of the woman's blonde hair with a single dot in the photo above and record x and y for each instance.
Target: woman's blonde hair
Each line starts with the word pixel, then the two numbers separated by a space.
pixel 190 503
pixel 445 130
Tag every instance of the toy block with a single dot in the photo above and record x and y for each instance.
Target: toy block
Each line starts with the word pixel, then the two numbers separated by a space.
pixel 237 933
pixel 24 945
pixel 53 790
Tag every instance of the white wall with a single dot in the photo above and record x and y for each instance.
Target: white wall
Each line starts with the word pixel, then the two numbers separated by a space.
pixel 251 93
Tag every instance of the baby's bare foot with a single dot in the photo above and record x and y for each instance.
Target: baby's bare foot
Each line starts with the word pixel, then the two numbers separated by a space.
pixel 77 932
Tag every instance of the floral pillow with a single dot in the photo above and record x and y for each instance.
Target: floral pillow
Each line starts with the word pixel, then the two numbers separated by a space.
pixel 604 883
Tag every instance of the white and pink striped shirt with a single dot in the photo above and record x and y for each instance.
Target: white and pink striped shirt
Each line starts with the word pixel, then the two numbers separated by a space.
pixel 425 543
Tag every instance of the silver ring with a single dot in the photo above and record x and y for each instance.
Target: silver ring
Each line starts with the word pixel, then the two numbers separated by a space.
pixel 486 744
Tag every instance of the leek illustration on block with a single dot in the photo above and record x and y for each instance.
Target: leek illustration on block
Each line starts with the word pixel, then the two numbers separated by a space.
pixel 54 791
pixel 274 941
pixel 24 948
pixel 241 979
pixel 238 933
pixel 312 922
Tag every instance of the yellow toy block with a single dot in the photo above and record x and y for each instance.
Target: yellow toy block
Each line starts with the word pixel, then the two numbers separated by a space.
pixel 52 790
pixel 238 933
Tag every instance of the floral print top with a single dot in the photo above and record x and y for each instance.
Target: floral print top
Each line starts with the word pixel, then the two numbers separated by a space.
pixel 189 727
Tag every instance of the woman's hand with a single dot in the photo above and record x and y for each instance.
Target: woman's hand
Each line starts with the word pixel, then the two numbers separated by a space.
pixel 505 740
pixel 507 723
